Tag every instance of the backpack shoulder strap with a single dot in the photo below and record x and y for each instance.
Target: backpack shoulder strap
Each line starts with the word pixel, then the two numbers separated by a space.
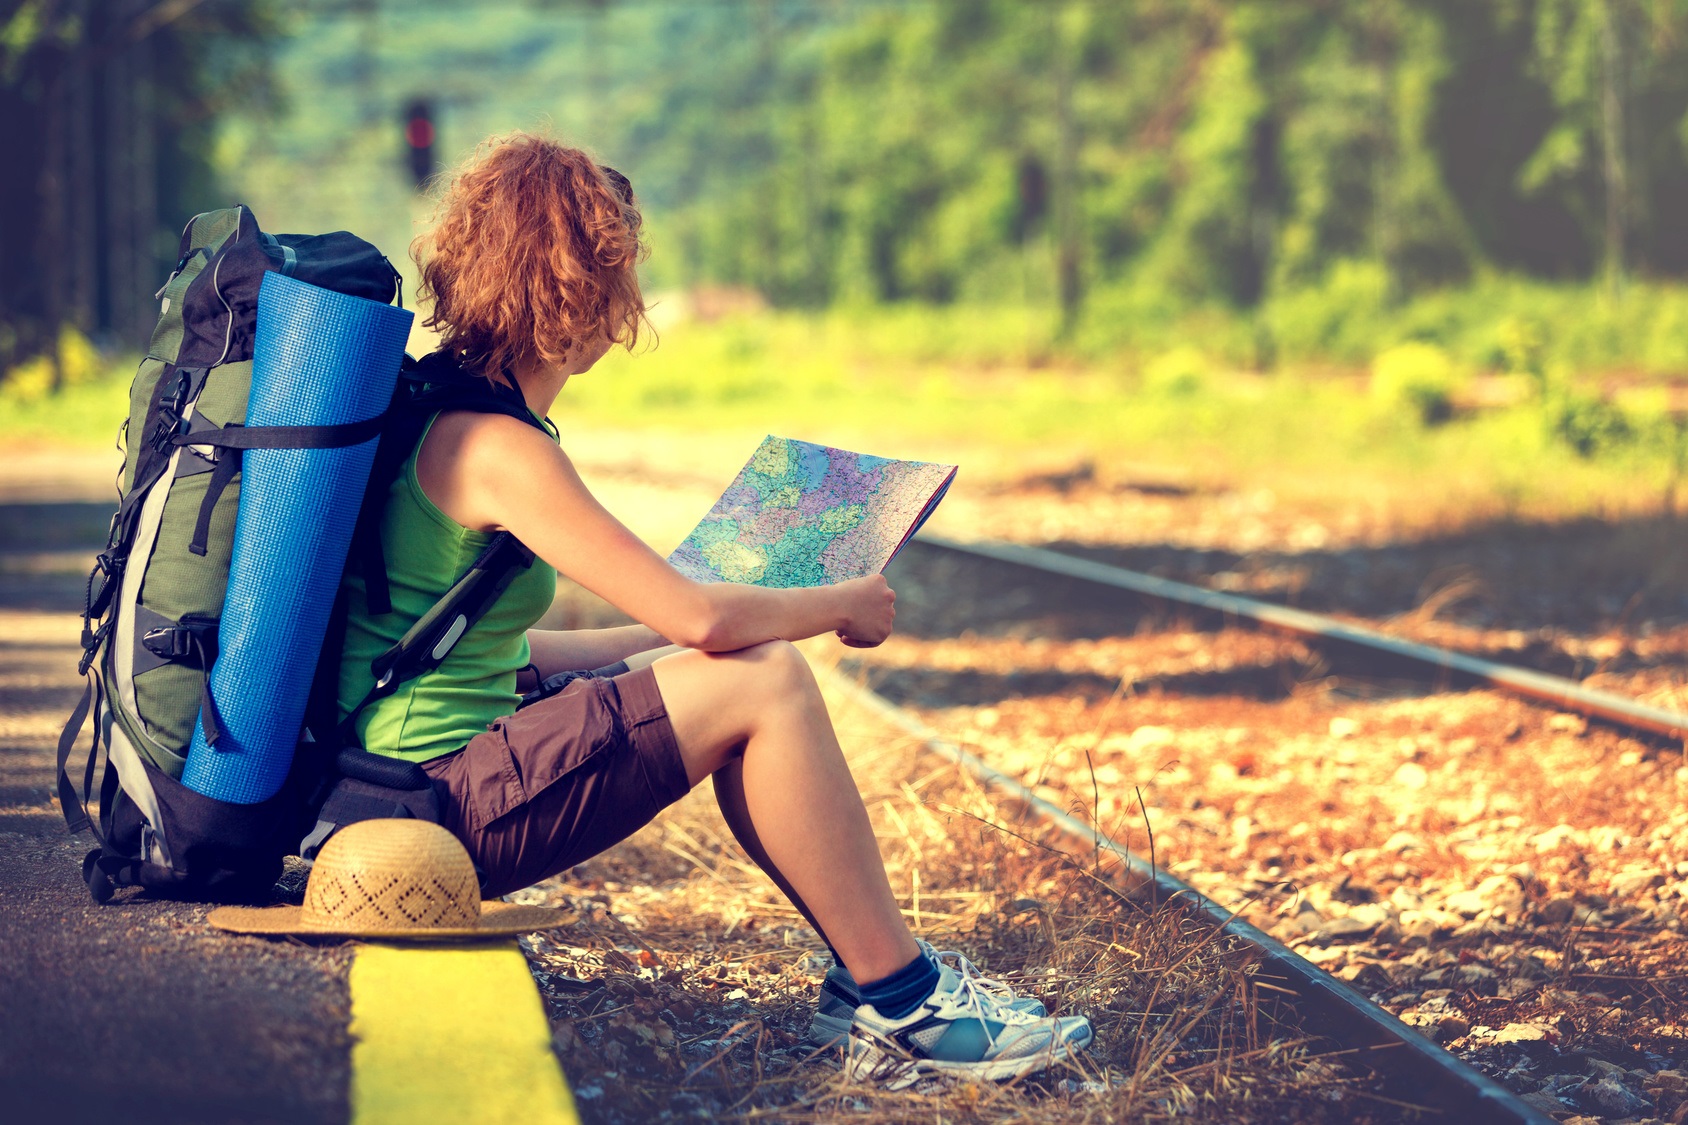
pixel 427 643
pixel 427 387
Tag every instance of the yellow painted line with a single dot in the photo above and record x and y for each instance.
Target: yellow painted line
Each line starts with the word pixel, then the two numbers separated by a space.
pixel 452 1033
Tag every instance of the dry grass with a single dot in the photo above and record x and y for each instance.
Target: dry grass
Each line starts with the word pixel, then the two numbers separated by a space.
pixel 1507 879
pixel 699 979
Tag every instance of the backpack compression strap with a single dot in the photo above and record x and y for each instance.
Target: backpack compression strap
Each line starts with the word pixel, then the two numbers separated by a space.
pixel 234 438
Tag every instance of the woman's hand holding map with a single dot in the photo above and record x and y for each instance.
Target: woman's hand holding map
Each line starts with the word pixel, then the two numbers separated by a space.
pixel 870 608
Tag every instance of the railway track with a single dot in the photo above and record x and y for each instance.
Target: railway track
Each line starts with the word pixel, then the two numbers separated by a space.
pixel 1319 629
pixel 1412 1066
pixel 1006 667
pixel 1414 1069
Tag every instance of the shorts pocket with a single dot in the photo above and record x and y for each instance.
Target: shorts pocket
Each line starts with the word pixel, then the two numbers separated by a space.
pixel 542 744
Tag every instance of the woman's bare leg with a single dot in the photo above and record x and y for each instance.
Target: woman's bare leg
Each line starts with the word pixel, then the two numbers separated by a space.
pixel 761 708
pixel 735 810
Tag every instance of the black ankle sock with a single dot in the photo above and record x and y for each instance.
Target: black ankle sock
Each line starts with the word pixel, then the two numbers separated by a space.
pixel 903 991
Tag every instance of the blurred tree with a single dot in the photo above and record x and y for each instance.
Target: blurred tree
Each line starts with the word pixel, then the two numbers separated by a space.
pixel 107 109
pixel 1152 155
pixel 1614 67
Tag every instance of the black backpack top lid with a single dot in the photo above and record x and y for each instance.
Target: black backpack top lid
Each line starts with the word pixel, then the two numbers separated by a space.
pixel 229 284
pixel 338 260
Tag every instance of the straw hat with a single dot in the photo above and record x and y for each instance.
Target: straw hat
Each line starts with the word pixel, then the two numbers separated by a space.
pixel 391 878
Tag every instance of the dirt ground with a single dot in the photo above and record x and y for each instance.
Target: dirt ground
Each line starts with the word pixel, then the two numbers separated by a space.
pixel 685 987
pixel 1505 877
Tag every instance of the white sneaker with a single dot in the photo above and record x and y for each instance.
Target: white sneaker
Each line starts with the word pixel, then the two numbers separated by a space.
pixel 840 995
pixel 960 1031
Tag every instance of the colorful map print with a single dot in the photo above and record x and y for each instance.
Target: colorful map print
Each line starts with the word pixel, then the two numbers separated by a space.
pixel 799 514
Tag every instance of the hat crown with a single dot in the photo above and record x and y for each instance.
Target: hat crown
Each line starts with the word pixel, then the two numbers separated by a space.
pixel 392 875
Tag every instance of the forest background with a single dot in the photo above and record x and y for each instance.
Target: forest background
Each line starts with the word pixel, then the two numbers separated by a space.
pixel 1274 229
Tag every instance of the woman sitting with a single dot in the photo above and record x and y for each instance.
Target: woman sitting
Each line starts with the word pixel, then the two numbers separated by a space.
pixel 531 269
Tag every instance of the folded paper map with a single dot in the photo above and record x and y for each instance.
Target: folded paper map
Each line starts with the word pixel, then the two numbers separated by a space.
pixel 799 514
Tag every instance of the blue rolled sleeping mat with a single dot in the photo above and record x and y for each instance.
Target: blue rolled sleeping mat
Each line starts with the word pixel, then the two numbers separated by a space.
pixel 320 358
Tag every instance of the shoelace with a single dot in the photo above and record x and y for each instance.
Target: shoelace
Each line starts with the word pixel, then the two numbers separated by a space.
pixel 999 991
pixel 982 998
pixel 972 1000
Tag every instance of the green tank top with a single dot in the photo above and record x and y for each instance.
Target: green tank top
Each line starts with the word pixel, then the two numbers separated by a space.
pixel 426 552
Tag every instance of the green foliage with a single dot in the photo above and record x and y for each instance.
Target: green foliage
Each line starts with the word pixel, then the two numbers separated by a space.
pixel 1203 247
pixel 86 413
pixel 860 380
pixel 1280 181
pixel 1344 317
pixel 79 363
pixel 925 382
pixel 1415 379
pixel 1608 65
pixel 1587 423
pixel 110 110
pixel 1497 322
pixel 1179 373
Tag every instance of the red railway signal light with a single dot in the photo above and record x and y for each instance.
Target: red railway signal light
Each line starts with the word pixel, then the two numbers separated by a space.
pixel 419 140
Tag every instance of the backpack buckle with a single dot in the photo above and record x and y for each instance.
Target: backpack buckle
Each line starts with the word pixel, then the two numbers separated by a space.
pixel 169 426
pixel 190 638
pixel 186 390
pixel 179 394
pixel 170 642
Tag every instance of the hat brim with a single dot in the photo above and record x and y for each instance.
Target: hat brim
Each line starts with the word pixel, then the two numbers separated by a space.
pixel 498 919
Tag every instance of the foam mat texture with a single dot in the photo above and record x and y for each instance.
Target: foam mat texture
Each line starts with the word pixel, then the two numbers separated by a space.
pixel 321 358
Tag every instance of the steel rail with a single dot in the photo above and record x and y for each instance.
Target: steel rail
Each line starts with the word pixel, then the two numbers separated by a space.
pixel 1422 1071
pixel 1539 686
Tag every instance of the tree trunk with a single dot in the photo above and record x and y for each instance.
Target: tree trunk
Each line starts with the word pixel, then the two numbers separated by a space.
pixel 1612 142
pixel 145 192
pixel 1386 210
pixel 1068 281
pixel 50 235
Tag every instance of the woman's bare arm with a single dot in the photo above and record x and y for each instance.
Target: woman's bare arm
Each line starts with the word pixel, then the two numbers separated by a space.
pixel 490 472
pixel 651 656
pixel 580 650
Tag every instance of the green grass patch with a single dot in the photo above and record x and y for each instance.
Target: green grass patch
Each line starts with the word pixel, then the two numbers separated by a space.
pixel 86 413
pixel 981 388
pixel 1307 432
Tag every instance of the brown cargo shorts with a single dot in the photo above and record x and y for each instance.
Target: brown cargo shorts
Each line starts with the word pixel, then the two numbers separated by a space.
pixel 561 780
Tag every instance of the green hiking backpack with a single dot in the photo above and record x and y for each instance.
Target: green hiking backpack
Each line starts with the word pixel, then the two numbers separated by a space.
pixel 155 596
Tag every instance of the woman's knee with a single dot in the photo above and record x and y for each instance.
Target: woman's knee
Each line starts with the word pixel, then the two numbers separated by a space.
pixel 717 700
pixel 779 670
pixel 719 704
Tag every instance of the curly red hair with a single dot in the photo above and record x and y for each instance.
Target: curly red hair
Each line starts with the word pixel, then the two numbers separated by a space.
pixel 533 250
